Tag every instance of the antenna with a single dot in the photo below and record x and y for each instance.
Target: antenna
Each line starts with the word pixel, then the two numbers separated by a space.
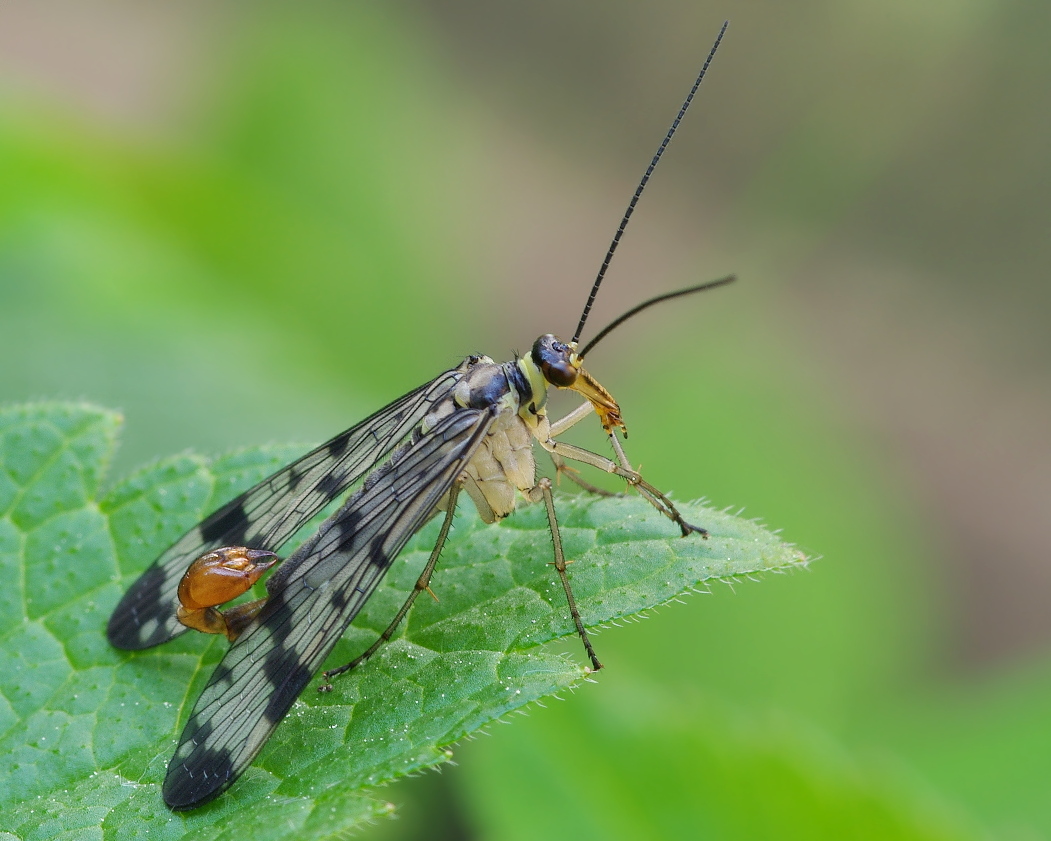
pixel 689 290
pixel 645 178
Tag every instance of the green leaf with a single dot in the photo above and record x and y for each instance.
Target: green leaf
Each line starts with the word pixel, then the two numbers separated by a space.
pixel 688 766
pixel 86 731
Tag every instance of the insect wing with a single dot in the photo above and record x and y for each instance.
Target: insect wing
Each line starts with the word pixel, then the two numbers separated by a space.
pixel 267 515
pixel 323 586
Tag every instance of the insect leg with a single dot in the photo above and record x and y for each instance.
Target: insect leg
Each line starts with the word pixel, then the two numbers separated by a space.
pixel 560 563
pixel 422 583
pixel 571 473
pixel 584 410
pixel 558 427
pixel 657 499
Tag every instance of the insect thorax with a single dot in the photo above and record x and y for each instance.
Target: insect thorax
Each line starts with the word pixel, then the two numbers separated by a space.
pixel 504 463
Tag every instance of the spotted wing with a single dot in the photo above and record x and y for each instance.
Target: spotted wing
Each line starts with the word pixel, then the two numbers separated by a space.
pixel 319 590
pixel 267 515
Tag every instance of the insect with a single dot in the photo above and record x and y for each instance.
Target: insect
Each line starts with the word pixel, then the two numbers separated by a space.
pixel 470 429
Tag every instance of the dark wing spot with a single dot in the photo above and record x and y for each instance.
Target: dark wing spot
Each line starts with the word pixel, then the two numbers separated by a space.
pixel 211 775
pixel 296 474
pixel 281 701
pixel 377 557
pixel 338 445
pixel 348 524
pixel 329 485
pixel 227 527
pixel 280 657
pixel 202 732
pixel 340 599
pixel 141 604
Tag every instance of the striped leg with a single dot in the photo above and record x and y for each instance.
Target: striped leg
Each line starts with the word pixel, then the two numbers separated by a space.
pixel 543 489
pixel 622 467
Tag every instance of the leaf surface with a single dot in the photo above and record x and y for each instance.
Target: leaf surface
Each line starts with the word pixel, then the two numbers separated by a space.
pixel 86 731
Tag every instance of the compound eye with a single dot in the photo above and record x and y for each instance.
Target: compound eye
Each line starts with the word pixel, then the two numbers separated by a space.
pixel 559 373
pixel 553 358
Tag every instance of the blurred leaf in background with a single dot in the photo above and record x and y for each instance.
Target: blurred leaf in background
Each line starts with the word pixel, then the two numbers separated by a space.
pixel 247 260
pixel 304 211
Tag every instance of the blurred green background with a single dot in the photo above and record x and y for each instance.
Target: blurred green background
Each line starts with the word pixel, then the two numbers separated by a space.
pixel 250 222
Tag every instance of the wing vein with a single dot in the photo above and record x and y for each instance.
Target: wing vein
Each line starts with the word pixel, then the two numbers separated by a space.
pixel 322 587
